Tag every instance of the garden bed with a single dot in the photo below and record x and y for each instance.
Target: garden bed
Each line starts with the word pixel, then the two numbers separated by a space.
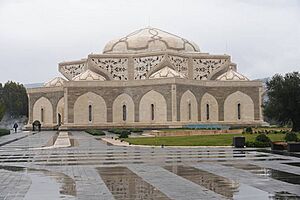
pixel 198 140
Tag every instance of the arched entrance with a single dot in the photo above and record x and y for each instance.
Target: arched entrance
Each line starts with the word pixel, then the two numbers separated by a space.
pixel 59 119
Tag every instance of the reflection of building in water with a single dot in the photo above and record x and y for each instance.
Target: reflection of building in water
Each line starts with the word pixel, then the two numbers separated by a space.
pixel 218 184
pixel 124 184
pixel 149 78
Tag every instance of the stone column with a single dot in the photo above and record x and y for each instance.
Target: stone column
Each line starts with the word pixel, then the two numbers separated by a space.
pixel 66 113
pixel 174 103
pixel 30 115
pixel 260 97
pixel 190 68
pixel 130 68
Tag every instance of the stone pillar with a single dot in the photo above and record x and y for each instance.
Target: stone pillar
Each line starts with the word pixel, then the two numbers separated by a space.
pixel 30 115
pixel 190 68
pixel 260 102
pixel 66 113
pixel 130 68
pixel 174 103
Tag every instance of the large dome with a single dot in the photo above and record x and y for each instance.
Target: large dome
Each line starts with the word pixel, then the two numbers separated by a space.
pixel 150 40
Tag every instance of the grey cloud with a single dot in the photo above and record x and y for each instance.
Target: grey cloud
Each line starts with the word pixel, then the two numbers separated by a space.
pixel 261 36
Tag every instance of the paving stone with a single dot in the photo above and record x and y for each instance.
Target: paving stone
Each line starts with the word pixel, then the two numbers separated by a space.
pixel 74 171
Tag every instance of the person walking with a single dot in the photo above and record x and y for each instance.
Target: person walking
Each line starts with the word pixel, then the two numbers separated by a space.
pixel 16 127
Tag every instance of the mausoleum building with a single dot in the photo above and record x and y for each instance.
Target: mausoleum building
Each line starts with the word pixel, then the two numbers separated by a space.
pixel 149 78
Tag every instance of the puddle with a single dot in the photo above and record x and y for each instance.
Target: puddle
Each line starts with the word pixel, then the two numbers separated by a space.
pixel 52 140
pixel 224 186
pixel 74 142
pixel 208 180
pixel 12 168
pixel 126 185
pixel 268 172
pixel 249 192
pixel 284 153
pixel 285 196
pixel 46 184
pixel 295 164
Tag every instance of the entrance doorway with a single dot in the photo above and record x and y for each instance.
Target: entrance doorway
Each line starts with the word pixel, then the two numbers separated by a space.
pixel 59 119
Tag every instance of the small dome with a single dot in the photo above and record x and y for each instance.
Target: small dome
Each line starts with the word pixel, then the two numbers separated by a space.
pixel 232 75
pixel 166 72
pixel 56 82
pixel 88 75
pixel 149 40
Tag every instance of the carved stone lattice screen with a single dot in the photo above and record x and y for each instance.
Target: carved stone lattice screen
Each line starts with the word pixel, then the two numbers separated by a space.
pixel 117 67
pixel 72 70
pixel 180 64
pixel 143 65
pixel 203 67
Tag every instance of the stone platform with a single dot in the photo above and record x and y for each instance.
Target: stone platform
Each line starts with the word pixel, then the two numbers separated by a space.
pixel 94 169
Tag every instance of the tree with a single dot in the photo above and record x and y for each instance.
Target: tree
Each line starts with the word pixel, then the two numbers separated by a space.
pixel 283 104
pixel 14 98
pixel 2 107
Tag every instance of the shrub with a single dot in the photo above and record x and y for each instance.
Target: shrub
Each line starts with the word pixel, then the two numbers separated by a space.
pixel 291 137
pixel 262 138
pixel 136 130
pixel 257 144
pixel 124 134
pixel 4 132
pixel 260 141
pixel 248 130
pixel 119 131
pixel 95 132
pixel 112 130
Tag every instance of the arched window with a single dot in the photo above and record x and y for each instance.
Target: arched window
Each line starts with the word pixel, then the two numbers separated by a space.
pixel 239 111
pixel 90 113
pixel 152 111
pixel 207 111
pixel 42 115
pixel 190 110
pixel 124 113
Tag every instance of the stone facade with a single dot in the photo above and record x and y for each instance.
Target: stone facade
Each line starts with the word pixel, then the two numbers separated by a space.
pixel 150 83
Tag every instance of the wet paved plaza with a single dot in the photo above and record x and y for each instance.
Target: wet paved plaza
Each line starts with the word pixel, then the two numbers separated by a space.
pixel 93 169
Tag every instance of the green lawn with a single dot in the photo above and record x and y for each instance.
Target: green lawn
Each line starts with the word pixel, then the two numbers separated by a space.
pixel 198 140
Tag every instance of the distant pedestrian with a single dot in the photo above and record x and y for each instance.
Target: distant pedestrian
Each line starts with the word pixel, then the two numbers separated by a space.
pixel 16 127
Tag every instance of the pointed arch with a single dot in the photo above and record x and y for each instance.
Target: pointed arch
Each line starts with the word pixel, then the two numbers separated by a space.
pixel 119 109
pixel 43 111
pixel 188 107
pixel 153 101
pixel 209 108
pixel 238 106
pixel 82 107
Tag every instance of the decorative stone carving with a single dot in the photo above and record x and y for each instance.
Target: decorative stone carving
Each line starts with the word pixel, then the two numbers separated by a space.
pixel 166 72
pixel 56 82
pixel 72 70
pixel 142 65
pixel 88 75
pixel 232 75
pixel 117 67
pixel 203 67
pixel 180 64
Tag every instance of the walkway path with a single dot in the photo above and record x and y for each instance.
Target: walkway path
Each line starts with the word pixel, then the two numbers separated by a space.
pixel 92 169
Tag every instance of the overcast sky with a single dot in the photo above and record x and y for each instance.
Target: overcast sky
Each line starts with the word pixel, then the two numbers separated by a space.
pixel 262 36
